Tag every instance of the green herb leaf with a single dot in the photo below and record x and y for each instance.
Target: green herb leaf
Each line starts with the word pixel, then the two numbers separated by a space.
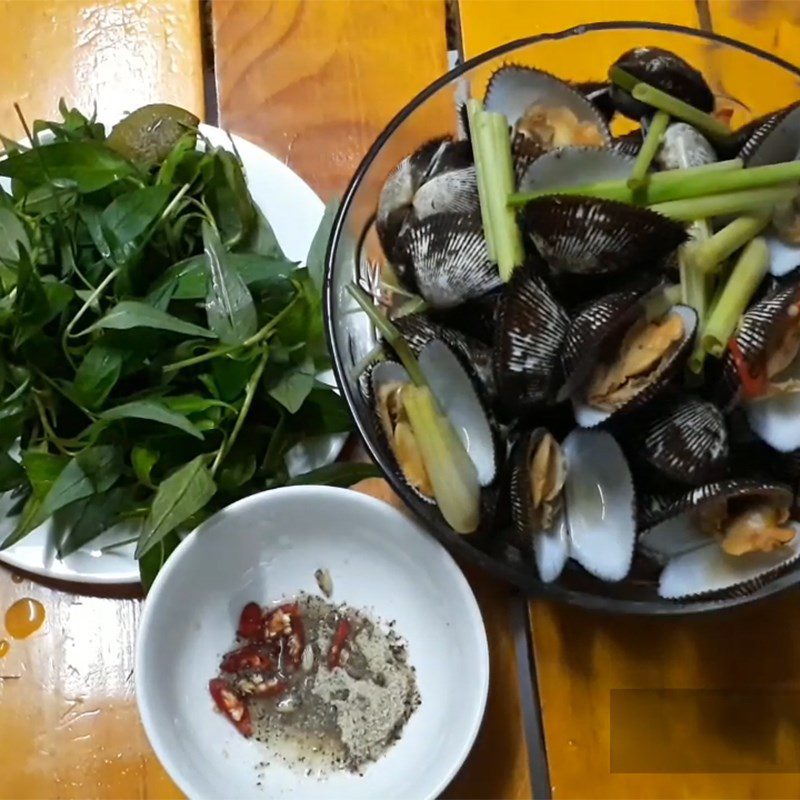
pixel 150 410
pixel 13 235
pixel 128 218
pixel 319 246
pixel 42 470
pixel 133 314
pixel 12 474
pixel 338 474
pixel 227 197
pixel 97 374
pixel 155 558
pixel 89 165
pixel 143 459
pixel 229 304
pixel 94 515
pixel 179 496
pixel 294 386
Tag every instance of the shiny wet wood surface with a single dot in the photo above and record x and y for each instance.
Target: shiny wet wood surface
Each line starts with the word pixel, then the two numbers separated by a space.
pixel 314 82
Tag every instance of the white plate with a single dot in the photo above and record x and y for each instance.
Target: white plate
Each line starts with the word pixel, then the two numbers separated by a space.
pixel 266 548
pixel 294 212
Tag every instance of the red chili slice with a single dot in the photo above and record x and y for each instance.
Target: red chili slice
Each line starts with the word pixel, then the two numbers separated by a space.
pixel 752 385
pixel 231 705
pixel 249 657
pixel 285 623
pixel 339 641
pixel 251 622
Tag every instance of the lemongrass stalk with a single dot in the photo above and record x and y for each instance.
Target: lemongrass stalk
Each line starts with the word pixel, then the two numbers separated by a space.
pixel 645 93
pixel 683 184
pixel 747 274
pixel 693 284
pixel 452 474
pixel 725 242
pixel 501 181
pixel 474 110
pixel 391 335
pixel 659 184
pixel 717 205
pixel 652 141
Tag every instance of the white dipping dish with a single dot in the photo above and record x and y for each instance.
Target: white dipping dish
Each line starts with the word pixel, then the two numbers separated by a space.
pixel 265 548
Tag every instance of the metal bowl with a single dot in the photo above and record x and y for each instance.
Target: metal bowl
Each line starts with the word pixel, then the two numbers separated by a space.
pixel 751 80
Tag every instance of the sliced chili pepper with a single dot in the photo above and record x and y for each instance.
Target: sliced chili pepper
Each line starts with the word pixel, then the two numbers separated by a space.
pixel 339 641
pixel 231 705
pixel 251 624
pixel 752 385
pixel 285 624
pixel 250 657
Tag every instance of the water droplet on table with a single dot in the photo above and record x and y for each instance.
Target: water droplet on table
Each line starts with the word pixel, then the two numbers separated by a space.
pixel 24 618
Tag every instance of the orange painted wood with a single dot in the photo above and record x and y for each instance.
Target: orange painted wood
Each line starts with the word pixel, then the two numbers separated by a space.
pixel 119 55
pixel 584 661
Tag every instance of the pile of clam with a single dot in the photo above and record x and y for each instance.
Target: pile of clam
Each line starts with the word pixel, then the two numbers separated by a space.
pixel 596 449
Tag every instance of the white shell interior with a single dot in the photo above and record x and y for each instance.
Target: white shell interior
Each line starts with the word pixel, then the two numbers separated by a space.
pixel 783 257
pixel 453 389
pixel 600 504
pixel 551 549
pixel 711 569
pixel 588 416
pixel 672 538
pixel 575 166
pixel 776 420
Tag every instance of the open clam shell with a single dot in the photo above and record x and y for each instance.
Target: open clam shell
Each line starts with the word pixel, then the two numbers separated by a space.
pixel 684 146
pixel 539 523
pixel 575 166
pixel 446 254
pixel 666 71
pixel 772 138
pixel 685 439
pixel 514 89
pixel 600 504
pixel 588 235
pixel 529 336
pixel 598 93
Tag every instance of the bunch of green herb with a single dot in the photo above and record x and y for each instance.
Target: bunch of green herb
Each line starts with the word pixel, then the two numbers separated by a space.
pixel 159 355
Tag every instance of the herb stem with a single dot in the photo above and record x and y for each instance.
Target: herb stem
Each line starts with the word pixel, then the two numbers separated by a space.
pixel 709 254
pixel 652 141
pixel 747 274
pixel 101 287
pixel 392 336
pixel 717 205
pixel 250 392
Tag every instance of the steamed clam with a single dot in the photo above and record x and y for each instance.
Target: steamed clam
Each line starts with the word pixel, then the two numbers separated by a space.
pixel 580 356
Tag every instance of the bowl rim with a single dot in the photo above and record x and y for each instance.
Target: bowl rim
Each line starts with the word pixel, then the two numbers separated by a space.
pixel 472 616
pixel 454 542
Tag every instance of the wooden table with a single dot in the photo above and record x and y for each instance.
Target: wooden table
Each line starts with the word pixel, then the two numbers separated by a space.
pixel 314 81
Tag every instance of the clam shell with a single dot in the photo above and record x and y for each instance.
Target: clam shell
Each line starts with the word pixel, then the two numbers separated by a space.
pixel 418 331
pixel 629 144
pixel 380 374
pixel 600 504
pixel 686 440
pixel 446 253
pixel 455 191
pixel 589 235
pixel 452 387
pixel 666 71
pixel 772 138
pixel 513 89
pixel 588 329
pixel 598 93
pixel 575 166
pixel 550 547
pixel 588 416
pixel 684 146
pixel 529 335
pixel 708 571
pixel 474 318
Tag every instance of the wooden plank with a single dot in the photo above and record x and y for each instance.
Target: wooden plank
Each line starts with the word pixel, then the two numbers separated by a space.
pixel 315 82
pixel 584 660
pixel 119 55
pixel 67 714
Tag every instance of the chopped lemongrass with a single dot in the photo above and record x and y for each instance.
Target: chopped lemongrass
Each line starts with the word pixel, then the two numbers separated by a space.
pixel 452 474
pixel 667 185
pixel 474 109
pixel 391 335
pixel 651 96
pixel 491 146
pixel 652 141
pixel 747 274
pixel 713 251
pixel 717 205
pixel 693 283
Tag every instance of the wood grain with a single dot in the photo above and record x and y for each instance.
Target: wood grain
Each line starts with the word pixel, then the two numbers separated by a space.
pixel 118 55
pixel 582 659
pixel 315 81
